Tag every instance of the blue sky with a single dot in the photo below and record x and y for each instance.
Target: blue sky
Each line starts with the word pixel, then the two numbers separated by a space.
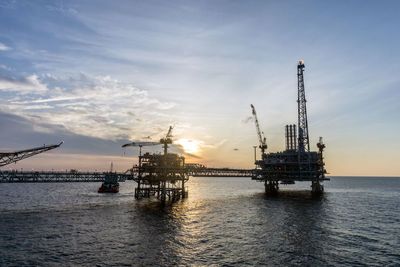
pixel 100 73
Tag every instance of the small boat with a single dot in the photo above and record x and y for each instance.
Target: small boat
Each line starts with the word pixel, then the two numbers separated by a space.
pixel 110 185
pixel 109 188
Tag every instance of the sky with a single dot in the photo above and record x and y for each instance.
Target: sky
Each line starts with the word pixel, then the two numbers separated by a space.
pixel 99 74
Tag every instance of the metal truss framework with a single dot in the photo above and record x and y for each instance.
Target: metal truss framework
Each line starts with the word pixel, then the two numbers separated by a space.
pixel 304 144
pixel 58 177
pixel 132 174
pixel 220 172
pixel 11 157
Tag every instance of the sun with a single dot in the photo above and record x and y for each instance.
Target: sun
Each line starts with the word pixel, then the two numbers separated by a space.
pixel 190 146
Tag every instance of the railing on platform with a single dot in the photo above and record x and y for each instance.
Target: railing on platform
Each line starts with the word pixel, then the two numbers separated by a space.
pixel 220 172
pixel 52 177
pixel 75 176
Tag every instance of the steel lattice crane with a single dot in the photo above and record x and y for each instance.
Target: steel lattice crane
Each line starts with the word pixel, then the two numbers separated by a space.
pixel 167 140
pixel 140 145
pixel 163 141
pixel 14 156
pixel 262 140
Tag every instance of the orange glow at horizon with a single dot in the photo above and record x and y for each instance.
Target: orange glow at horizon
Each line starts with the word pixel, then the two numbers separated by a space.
pixel 190 146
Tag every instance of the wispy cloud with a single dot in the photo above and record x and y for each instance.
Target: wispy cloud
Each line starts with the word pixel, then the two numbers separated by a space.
pixel 24 85
pixel 92 106
pixel 3 47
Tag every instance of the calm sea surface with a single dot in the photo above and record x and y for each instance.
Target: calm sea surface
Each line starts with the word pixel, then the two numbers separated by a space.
pixel 225 221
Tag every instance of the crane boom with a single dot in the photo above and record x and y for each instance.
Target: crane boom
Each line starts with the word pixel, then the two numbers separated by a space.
pixel 14 156
pixel 141 144
pixel 167 140
pixel 262 140
pixel 163 141
pixel 169 134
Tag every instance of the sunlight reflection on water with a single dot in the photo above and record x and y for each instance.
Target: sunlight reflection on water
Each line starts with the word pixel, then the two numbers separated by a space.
pixel 225 221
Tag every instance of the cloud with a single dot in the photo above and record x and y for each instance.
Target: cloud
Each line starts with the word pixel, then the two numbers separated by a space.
pixel 46 100
pixel 22 133
pixel 11 4
pixel 3 47
pixel 24 85
pixel 216 145
pixel 61 9
pixel 98 106
pixel 77 152
pixel 3 67
pixel 181 150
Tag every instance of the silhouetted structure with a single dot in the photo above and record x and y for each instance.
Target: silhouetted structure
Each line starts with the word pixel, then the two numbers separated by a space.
pixel 14 156
pixel 163 176
pixel 297 162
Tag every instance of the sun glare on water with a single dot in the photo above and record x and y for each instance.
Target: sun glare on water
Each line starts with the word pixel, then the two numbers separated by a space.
pixel 190 146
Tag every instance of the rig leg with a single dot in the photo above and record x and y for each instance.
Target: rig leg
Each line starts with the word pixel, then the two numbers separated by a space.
pixel 137 190
pixel 271 187
pixel 183 188
pixel 164 192
pixel 316 188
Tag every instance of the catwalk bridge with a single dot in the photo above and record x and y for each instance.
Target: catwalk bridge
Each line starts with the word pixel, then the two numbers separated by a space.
pixel 58 177
pixel 75 176
pixel 220 172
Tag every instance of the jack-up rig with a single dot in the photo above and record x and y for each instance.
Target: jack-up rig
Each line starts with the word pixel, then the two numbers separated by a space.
pixel 160 175
pixel 297 162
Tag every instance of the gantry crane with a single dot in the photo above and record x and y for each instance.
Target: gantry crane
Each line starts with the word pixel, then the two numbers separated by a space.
pixel 262 140
pixel 14 156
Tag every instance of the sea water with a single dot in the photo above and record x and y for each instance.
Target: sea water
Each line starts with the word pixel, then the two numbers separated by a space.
pixel 223 222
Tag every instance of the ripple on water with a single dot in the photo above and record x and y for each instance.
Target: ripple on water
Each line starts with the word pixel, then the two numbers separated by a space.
pixel 225 221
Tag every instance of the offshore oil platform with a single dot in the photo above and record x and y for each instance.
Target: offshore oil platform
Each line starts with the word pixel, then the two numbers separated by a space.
pixel 164 175
pixel 296 162
pixel 160 175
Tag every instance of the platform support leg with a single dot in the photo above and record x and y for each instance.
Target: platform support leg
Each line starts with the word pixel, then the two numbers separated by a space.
pixel 164 192
pixel 271 187
pixel 183 188
pixel 137 191
pixel 316 188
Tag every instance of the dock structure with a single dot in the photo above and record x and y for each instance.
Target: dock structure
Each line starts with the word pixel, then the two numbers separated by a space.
pixel 296 162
